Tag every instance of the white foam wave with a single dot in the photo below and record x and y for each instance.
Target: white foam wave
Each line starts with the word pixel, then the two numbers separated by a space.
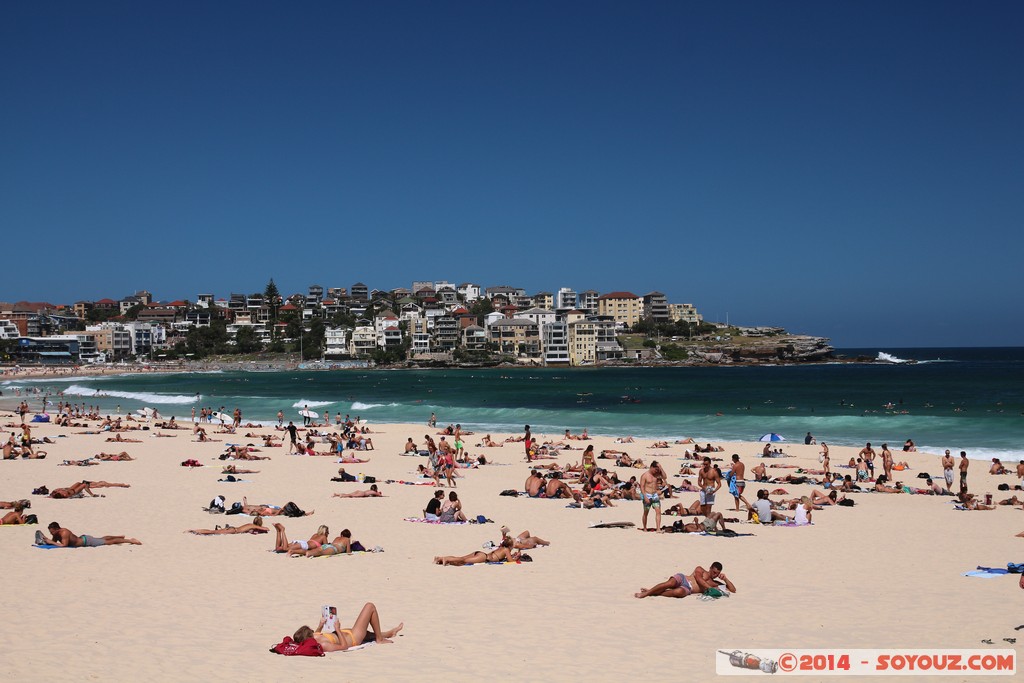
pixel 302 403
pixel 1008 456
pixel 367 406
pixel 884 357
pixel 141 396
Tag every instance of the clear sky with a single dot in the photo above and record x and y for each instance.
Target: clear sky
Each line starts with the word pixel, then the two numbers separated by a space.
pixel 849 169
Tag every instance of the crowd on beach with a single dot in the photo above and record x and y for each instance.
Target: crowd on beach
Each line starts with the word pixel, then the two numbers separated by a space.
pixel 606 479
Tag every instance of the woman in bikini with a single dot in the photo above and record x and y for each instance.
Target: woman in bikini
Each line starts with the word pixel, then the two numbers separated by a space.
pixel 342 545
pixel 366 628
pixel 502 553
pixel 255 528
pixel 299 548
pixel 85 487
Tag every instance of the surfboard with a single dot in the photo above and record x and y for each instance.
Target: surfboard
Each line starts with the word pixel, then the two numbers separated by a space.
pixel 223 417
pixel 309 413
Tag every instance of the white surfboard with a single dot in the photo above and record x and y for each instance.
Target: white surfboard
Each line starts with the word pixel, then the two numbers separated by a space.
pixel 223 417
pixel 309 413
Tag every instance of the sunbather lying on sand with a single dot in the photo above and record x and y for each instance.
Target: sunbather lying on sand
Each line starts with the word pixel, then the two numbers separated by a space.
pixel 366 629
pixel 64 538
pixel 502 553
pixel 681 585
pixel 371 493
pixel 255 528
pixel 85 487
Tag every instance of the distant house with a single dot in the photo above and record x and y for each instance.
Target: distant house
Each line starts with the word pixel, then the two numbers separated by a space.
pixel 624 308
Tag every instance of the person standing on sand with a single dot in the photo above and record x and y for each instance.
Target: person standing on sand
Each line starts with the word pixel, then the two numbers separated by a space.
pixel 737 480
pixel 709 482
pixel 651 482
pixel 527 442
pixel 868 454
pixel 964 464
pixel 293 433
pixel 947 470
pixel 887 461
pixel 825 461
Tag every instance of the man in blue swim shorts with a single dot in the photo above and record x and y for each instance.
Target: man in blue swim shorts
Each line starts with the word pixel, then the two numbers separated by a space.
pixel 651 483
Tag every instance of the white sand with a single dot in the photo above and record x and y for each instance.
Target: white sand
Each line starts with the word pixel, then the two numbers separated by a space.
pixel 885 573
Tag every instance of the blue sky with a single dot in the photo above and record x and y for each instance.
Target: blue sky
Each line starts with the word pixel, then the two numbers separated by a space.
pixel 854 170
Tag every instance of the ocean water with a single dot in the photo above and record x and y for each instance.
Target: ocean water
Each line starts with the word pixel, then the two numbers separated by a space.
pixel 970 399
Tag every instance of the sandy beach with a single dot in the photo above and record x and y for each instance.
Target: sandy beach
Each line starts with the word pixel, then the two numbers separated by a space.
pixel 885 573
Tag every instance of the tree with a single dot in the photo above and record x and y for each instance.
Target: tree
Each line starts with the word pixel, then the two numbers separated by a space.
pixel 480 308
pixel 246 340
pixel 272 298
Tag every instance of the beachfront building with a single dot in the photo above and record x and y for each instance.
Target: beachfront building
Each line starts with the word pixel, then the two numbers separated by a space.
pixel 447 333
pixel 588 301
pixel 364 340
pixel 541 316
pixel 515 336
pixel 686 313
pixel 543 300
pixel 567 298
pixel 605 340
pixel 468 291
pixel 582 342
pixel 336 343
pixel 555 343
pixel 656 307
pixel 474 338
pixel 54 350
pixel 419 336
pixel 625 308
pixel 360 292
pixel 112 340
pixel 8 330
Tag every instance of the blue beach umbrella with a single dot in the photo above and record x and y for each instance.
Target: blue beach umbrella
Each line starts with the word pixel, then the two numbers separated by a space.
pixel 772 436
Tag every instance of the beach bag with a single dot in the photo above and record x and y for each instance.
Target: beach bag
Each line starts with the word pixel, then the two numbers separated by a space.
pixel 1004 487
pixel 236 509
pixel 307 648
pixel 290 509
pixel 217 504
pixel 31 519
pixel 509 492
pixel 846 503
pixel 369 480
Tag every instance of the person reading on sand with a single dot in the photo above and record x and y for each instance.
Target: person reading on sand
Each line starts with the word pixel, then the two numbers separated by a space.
pixel 503 553
pixel 66 539
pixel 76 490
pixel 372 493
pixel 255 528
pixel 366 629
pixel 524 541
pixel 681 585
pixel 299 548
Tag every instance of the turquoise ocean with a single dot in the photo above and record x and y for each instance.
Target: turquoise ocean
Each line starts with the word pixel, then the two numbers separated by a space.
pixel 970 399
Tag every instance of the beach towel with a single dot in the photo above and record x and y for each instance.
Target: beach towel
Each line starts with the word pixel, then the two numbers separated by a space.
pixel 232 480
pixel 54 547
pixel 307 648
pixel 420 520
pixel 789 524
pixel 985 574
pixel 612 525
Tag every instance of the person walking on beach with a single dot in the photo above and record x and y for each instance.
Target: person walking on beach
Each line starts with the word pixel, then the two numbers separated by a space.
pixel 280 418
pixel 964 464
pixel 527 442
pixel 947 470
pixel 293 435
pixel 709 482
pixel 737 480
pixel 305 416
pixel 651 482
